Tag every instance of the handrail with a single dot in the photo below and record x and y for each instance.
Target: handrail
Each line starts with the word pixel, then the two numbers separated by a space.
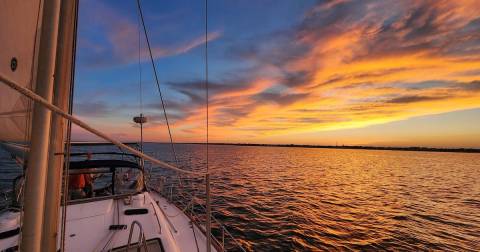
pixel 32 95
pixel 100 198
pixel 219 223
pixel 102 153
pixel 141 236
pixel 168 219
pixel 156 217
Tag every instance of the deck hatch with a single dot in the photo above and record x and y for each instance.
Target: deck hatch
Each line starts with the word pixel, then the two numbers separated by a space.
pixel 136 211
pixel 9 233
pixel 153 245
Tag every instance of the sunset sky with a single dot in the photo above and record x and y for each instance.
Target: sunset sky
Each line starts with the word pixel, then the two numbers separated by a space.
pixel 401 73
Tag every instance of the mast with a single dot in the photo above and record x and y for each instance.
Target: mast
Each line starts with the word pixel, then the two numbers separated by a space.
pixel 64 69
pixel 35 181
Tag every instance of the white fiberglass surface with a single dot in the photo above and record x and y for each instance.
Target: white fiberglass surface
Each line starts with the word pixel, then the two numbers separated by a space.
pixel 88 225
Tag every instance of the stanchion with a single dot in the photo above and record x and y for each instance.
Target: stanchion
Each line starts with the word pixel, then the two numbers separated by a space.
pixel 209 218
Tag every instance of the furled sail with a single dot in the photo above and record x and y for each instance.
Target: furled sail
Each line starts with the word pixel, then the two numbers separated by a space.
pixel 18 36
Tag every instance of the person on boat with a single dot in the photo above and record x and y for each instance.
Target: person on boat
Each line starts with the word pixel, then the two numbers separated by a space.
pixel 88 185
pixel 81 185
pixel 76 186
pixel 89 178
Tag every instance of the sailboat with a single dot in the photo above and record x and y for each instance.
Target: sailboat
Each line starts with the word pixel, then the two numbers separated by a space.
pixel 76 201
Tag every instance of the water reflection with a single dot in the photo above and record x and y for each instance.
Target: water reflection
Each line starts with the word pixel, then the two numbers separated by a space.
pixel 277 199
pixel 310 199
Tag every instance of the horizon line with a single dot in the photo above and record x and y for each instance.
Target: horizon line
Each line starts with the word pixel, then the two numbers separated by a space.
pixel 362 147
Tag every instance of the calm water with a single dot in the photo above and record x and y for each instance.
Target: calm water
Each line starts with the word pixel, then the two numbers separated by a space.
pixel 296 199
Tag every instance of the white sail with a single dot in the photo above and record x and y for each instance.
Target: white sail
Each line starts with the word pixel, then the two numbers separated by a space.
pixel 18 36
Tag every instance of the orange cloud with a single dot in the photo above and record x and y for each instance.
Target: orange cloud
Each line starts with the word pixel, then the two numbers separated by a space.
pixel 364 72
pixel 348 64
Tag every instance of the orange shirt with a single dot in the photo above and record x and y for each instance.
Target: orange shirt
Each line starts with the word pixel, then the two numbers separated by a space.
pixel 77 181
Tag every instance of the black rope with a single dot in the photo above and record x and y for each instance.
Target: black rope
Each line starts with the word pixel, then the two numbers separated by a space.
pixel 156 80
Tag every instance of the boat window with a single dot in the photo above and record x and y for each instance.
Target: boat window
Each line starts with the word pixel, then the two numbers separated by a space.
pixel 104 181
pixel 89 185
pixel 128 180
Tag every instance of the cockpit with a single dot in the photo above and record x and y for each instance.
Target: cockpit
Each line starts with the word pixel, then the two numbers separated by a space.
pixel 97 176
pixel 89 179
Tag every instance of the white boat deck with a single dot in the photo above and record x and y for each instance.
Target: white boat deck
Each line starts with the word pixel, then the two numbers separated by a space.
pixel 184 234
pixel 166 227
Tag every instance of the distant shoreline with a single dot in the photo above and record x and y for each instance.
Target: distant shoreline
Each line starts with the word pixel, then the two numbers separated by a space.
pixel 346 147
pixel 353 147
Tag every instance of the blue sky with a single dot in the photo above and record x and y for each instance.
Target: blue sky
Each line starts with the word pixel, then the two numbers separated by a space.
pixel 364 72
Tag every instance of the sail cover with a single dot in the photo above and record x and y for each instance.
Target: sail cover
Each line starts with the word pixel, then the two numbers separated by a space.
pixel 18 40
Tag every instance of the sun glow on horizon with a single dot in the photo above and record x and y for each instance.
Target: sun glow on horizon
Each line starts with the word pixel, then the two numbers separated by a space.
pixel 341 66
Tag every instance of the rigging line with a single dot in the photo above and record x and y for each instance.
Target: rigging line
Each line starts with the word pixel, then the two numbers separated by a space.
pixel 207 177
pixel 206 69
pixel 140 86
pixel 156 80
pixel 191 203
pixel 140 66
pixel 141 21
pixel 69 128
pixel 193 230
pixel 40 100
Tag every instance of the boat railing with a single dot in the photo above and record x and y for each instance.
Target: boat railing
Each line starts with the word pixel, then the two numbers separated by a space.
pixel 107 155
pixel 41 101
pixel 194 208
